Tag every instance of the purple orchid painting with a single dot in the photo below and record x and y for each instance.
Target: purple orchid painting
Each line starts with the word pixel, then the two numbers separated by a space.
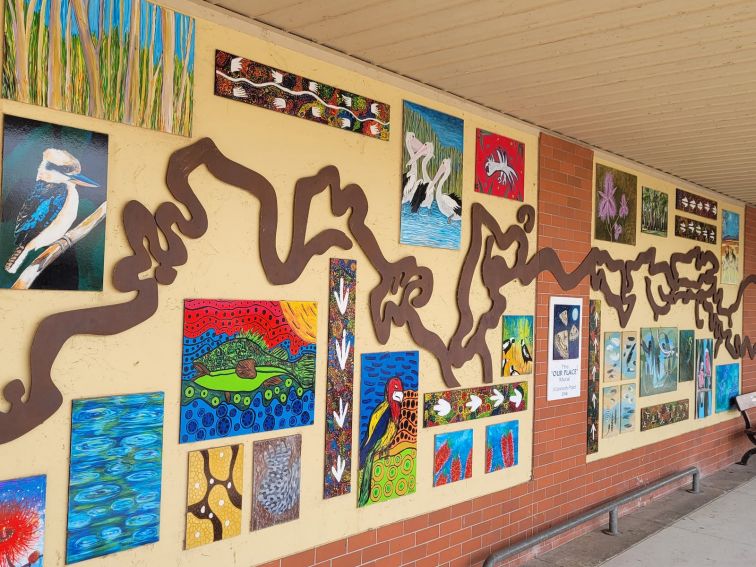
pixel 616 193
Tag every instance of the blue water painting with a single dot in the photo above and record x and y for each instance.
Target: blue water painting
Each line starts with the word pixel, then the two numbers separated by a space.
pixel 22 521
pixel 728 386
pixel 114 484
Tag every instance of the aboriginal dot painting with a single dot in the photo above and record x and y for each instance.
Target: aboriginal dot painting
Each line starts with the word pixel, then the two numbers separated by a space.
pixel 276 473
pixel 248 366
pixel 214 495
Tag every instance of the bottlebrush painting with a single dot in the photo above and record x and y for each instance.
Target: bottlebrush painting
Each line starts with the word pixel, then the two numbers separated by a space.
pixel 337 474
pixel 248 81
pixel 452 457
pixel 594 372
pixel 454 406
pixel 616 196
pixel 703 377
pixel 388 426
pixel 115 476
pixel 55 182
pixel 627 407
pixel 658 360
pixel 664 414
pixel 214 495
pixel 695 205
pixel 499 166
pixel 517 345
pixel 612 356
pixel 629 355
pixel 22 521
pixel 248 366
pixel 128 61
pixel 431 213
pixel 610 414
pixel 502 445
pixel 276 474
pixel 654 212
pixel 730 259
pixel 687 356
pixel 695 230
pixel 728 386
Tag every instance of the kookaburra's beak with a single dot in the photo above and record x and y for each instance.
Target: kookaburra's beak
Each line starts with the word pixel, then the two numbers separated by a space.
pixel 397 396
pixel 83 180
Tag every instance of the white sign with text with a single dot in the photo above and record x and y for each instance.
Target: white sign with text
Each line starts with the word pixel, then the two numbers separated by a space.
pixel 565 334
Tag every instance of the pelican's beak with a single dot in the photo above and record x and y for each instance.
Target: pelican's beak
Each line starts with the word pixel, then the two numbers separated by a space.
pixel 83 180
pixel 397 396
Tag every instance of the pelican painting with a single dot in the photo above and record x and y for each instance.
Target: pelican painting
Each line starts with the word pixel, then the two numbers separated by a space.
pixel 54 178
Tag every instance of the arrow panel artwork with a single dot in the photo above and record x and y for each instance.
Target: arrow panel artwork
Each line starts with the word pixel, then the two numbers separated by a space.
pixel 454 406
pixel 594 373
pixel 337 476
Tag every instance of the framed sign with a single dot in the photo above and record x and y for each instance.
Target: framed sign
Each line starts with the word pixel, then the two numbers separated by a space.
pixel 565 334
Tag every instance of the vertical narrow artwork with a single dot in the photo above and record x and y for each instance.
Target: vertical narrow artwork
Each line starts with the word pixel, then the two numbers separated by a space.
pixel 127 61
pixel 517 345
pixel 703 377
pixel 248 81
pixel 687 356
pixel 214 495
pixel 728 386
pixel 730 247
pixel 452 457
pixel 499 166
pixel 695 205
pixel 629 355
pixel 664 414
pixel 695 230
pixel 431 213
pixel 658 360
pixel 616 196
pixel 388 426
pixel 248 366
pixel 565 322
pixel 22 521
pixel 612 356
pixel 594 373
pixel 115 475
pixel 55 181
pixel 610 414
pixel 654 212
pixel 502 445
pixel 627 407
pixel 276 470
pixel 342 290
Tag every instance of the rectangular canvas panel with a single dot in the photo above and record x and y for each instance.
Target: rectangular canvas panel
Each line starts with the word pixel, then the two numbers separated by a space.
pixel 452 456
pixel 664 414
pixel 465 404
pixel 133 61
pixel 248 81
pixel 337 473
pixel 594 373
pixel 610 416
pixel 654 212
pixel 248 366
pixel 502 445
pixel 629 355
pixel 687 355
pixel 730 259
pixel 703 377
pixel 627 407
pixel 695 205
pixel 431 213
pixel 616 197
pixel 728 386
pixel 517 345
pixel 115 475
pixel 276 474
pixel 388 426
pixel 695 230
pixel 22 521
pixel 499 166
pixel 55 183
pixel 612 356
pixel 658 360
pixel 214 495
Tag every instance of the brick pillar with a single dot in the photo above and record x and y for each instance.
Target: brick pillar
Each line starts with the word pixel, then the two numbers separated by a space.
pixel 749 301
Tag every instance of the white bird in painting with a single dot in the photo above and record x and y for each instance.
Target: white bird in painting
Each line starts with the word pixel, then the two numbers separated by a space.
pixel 507 175
pixel 416 150
pixel 449 204
pixel 425 193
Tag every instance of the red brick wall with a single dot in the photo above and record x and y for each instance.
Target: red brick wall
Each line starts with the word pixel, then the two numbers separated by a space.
pixel 749 305
pixel 563 483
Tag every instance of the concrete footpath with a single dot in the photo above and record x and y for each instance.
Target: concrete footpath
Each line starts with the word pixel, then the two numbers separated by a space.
pixel 716 527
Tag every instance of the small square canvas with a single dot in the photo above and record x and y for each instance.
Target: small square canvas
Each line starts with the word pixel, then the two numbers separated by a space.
pixel 629 355
pixel 616 195
pixel 276 469
pixel 610 416
pixel 517 345
pixel 728 386
pixel 612 356
pixel 214 495
pixel 627 407
pixel 502 445
pixel 22 521
pixel 499 166
pixel 687 356
pixel 654 212
pixel 452 457
pixel 730 247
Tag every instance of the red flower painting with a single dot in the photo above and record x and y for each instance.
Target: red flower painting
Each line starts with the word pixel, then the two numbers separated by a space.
pixel 499 166
pixel 18 533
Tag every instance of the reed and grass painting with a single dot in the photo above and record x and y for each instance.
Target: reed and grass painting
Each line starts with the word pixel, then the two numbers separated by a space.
pixel 128 61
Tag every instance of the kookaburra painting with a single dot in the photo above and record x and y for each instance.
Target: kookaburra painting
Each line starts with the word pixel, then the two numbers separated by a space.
pixel 53 204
